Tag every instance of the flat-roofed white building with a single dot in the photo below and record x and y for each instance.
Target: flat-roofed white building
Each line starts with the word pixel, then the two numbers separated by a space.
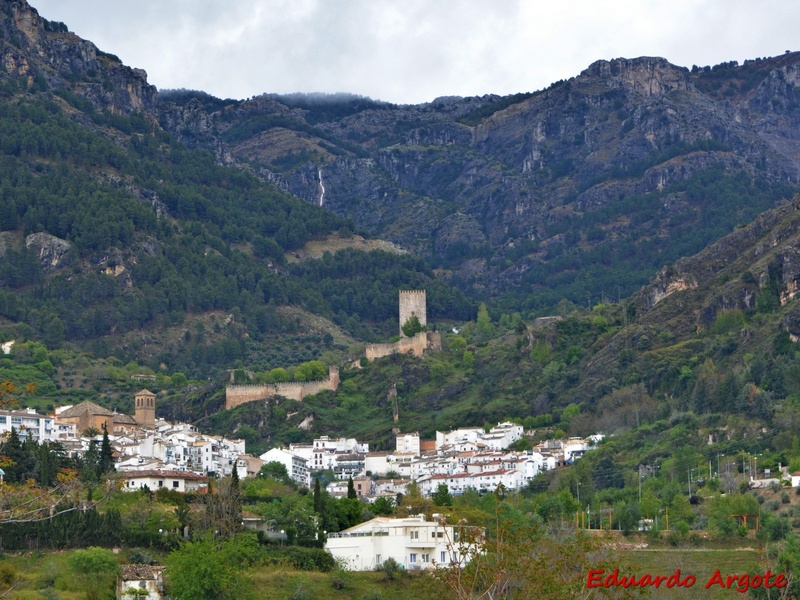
pixel 296 466
pixel 179 481
pixel 413 542
pixel 407 443
pixel 28 422
pixel 458 436
pixel 482 482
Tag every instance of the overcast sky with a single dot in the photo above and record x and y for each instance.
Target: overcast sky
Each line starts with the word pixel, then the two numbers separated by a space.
pixel 410 51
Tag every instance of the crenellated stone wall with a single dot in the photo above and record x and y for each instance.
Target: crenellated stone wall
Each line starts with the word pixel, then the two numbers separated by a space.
pixel 417 345
pixel 294 390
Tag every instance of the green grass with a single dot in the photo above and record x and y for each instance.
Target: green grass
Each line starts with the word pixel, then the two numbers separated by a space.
pixel 700 562
pixel 284 584
pixel 42 571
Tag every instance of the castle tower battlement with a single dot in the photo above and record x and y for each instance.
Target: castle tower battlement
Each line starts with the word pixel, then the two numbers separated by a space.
pixel 413 303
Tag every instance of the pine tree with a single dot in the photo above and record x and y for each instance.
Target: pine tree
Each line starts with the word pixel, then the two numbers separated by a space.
pixel 351 489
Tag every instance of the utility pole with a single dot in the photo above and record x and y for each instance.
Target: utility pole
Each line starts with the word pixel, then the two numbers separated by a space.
pixel 640 483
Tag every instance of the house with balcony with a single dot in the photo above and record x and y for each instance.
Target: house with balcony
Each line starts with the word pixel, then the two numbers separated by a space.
pixel 413 542
pixel 28 422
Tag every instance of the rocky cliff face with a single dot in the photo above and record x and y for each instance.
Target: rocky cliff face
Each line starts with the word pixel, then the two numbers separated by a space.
pixel 522 179
pixel 53 253
pixel 634 160
pixel 40 51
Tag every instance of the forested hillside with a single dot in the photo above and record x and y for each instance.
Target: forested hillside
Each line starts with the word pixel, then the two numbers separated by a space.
pixel 153 230
pixel 109 225
pixel 584 189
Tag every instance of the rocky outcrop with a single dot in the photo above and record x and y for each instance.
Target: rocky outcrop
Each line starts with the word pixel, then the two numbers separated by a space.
pixel 53 253
pixel 647 76
pixel 65 61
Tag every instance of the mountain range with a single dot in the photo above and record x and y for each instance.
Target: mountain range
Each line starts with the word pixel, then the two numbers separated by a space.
pixel 174 229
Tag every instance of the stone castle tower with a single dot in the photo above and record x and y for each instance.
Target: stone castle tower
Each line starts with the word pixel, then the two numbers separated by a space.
pixel 145 408
pixel 412 304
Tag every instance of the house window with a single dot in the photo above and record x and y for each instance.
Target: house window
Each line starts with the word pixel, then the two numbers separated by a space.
pixel 412 558
pixel 426 558
pixel 378 560
pixel 414 534
pixel 442 557
pixel 175 484
pixel 161 483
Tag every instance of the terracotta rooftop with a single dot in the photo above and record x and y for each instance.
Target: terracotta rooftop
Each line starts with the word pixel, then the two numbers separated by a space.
pixel 126 419
pixel 165 474
pixel 139 571
pixel 85 407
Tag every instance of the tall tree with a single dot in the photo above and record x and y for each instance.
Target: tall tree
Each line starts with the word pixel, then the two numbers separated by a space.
pixel 105 462
pixel 223 512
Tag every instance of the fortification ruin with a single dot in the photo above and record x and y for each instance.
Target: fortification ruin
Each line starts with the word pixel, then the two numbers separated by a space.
pixel 413 303
pixel 416 346
pixel 293 390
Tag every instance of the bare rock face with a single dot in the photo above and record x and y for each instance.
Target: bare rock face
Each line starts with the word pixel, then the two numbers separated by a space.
pixel 52 252
pixel 51 52
pixel 668 282
pixel 647 76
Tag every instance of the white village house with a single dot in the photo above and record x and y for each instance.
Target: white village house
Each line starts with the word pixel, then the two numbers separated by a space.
pixel 179 481
pixel 413 542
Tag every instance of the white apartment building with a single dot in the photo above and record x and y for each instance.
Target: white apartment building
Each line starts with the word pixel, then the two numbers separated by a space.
pixel 413 542
pixel 482 482
pixel 325 449
pixel 408 443
pixel 28 422
pixel 296 466
pixel 467 439
pixel 502 436
pixel 458 436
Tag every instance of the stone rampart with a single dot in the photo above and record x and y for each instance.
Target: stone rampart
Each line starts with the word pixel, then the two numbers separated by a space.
pixel 294 390
pixel 417 345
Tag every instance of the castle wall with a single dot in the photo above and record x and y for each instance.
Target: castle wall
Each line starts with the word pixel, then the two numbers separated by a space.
pixel 294 390
pixel 416 345
pixel 412 304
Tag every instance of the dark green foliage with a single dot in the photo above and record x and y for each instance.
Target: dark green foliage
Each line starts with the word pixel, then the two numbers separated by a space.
pixel 442 497
pixel 359 286
pixel 412 327
pixel 193 264
pixel 476 116
pixel 620 265
pixel 276 471
pixel 69 528
pixel 105 462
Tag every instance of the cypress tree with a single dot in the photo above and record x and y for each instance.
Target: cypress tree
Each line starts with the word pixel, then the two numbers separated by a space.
pixel 105 462
pixel 317 497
